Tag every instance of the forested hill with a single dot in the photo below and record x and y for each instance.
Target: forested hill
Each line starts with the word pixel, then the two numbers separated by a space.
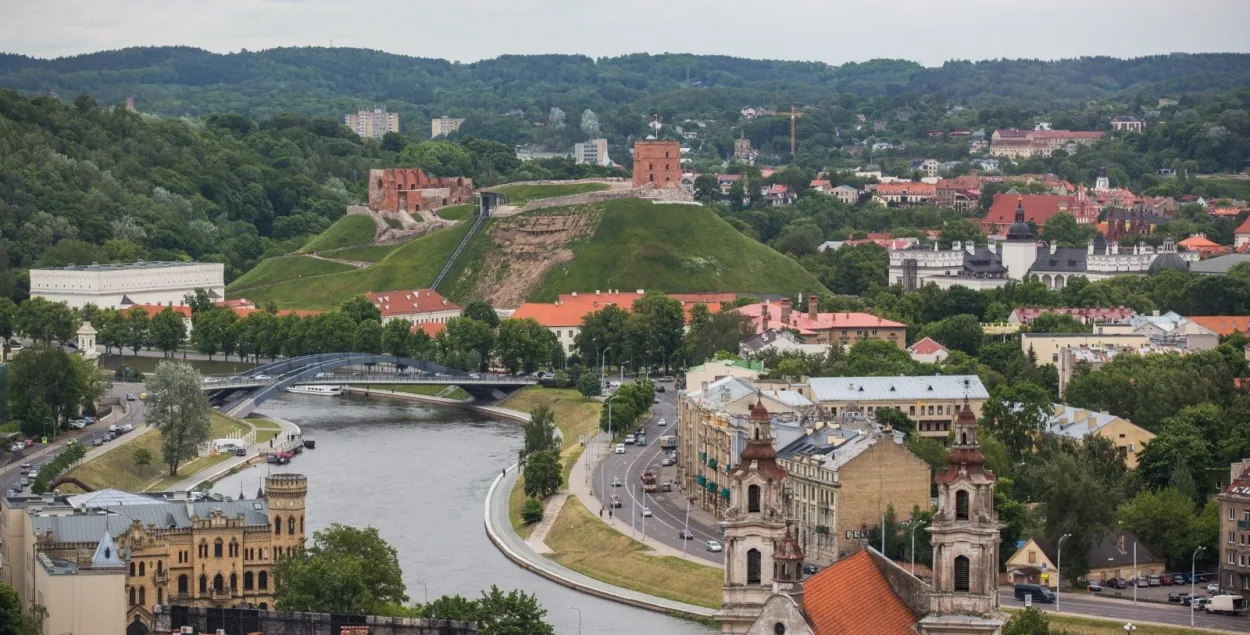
pixel 331 81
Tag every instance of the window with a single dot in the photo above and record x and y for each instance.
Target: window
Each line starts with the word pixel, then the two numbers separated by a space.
pixel 277 525
pixel 183 585
pixel 290 525
pixel 132 596
pixel 961 505
pixel 217 548
pixel 160 595
pixel 263 580
pixel 911 410
pixel 1231 538
pixel 203 549
pixel 1055 358
pixel 961 574
pixel 218 583
pixel 203 583
pixel 753 499
pixel 301 525
pixel 1032 557
pixel 132 569
pixel 247 581
pixel 234 549
pixel 753 566
pixel 1245 514
pixel 143 596
pixel 142 569
pixel 234 581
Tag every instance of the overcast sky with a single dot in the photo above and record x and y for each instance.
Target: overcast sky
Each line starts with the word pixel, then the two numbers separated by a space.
pixel 833 31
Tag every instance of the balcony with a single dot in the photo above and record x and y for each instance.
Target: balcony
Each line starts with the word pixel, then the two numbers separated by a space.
pixel 162 578
pixel 1243 524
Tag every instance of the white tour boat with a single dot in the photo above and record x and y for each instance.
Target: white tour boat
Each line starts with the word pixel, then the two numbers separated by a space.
pixel 325 391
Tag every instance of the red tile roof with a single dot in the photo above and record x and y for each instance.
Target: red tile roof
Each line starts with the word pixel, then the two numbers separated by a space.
pixel 926 346
pixel 1244 227
pixel 1201 244
pixel 431 328
pixel 153 309
pixel 1037 208
pixel 807 326
pixel 414 302
pixel 569 309
pixel 911 189
pixel 1223 324
pixel 853 597
pixel 240 303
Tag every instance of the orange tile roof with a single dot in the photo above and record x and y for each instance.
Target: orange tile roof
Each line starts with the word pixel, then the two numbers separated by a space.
pixel 242 303
pixel 1223 324
pixel 852 597
pixel 569 309
pixel 1225 211
pixel 907 188
pixel 410 302
pixel 926 346
pixel 1201 243
pixel 1244 227
pixel 807 326
pixel 153 309
pixel 431 328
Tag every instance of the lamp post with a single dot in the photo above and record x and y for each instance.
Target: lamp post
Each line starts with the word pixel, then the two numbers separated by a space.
pixel 579 618
pixel 1058 569
pixel 1192 569
pixel 602 356
pixel 914 526
pixel 684 532
pixel 603 469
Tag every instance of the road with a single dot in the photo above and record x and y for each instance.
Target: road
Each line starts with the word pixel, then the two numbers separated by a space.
pixel 10 473
pixel 1125 611
pixel 668 508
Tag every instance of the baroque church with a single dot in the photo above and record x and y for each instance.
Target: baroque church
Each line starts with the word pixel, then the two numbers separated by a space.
pixel 765 592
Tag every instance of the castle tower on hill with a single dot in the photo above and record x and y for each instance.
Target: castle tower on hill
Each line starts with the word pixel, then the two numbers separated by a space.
pixel 966 534
pixel 286 494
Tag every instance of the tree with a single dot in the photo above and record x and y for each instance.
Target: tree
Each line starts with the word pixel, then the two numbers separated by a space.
pixel 136 332
pixel 1166 521
pixel 47 387
pixel 359 308
pixel 167 331
pixel 1074 500
pixel 600 331
pixel 178 408
pixel 1057 323
pixel 539 432
pixel 706 188
pixel 395 337
pixel 958 332
pixel 1179 446
pixel 8 319
pixel 532 511
pixel 522 345
pixel 496 612
pixel 45 321
pixel 345 570
pixel 1030 621
pixel 199 300
pixel 142 458
pixel 711 333
pixel 1016 415
pixel 369 337
pixel 656 326
pixel 590 123
pixel 542 474
pixel 481 311
pixel 210 330
pixel 962 230
pixel 463 335
pixel 588 385
pixel 896 419
pixel 16 621
pixel 1062 230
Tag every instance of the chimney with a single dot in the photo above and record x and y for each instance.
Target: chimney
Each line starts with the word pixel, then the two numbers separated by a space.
pixel 971 247
pixel 785 310
pixel 811 306
pixel 956 245
pixel 1054 246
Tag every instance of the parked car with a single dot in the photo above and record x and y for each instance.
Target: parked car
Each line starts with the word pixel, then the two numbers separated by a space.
pixel 113 428
pixel 24 482
pixel 1141 583
pixel 1174 597
pixel 1115 583
pixel 1093 587
pixel 685 534
pixel 97 442
pixel 810 569
pixel 620 448
pixel 1181 578
pixel 666 486
pixel 713 546
pixel 1193 598
pixel 646 512
pixel 130 397
pixel 667 462
pixel 1154 580
pixel 126 428
pixel 629 439
pixel 1165 580
pixel 1213 588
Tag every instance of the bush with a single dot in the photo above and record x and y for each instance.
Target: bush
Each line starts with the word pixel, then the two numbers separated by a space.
pixel 54 468
pixel 532 512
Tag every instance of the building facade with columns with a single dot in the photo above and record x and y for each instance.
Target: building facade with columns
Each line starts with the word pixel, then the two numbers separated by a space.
pixel 120 285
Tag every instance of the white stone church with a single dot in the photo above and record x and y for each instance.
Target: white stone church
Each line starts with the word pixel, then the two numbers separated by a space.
pixel 765 592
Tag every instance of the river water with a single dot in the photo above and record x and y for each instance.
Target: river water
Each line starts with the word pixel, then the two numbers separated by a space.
pixel 420 474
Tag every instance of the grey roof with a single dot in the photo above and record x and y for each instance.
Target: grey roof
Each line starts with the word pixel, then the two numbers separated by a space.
pixel 1220 264
pixel 1168 261
pixel 1064 260
pixel 1075 423
pixel 124 266
pixel 1107 552
pixel 898 388
pixel 110 497
pixel 106 553
pixel 837 446
pixel 116 519
pixel 983 261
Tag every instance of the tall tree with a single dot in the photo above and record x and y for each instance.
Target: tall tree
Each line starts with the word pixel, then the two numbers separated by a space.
pixel 178 408
pixel 482 312
pixel 539 432
pixel 45 321
pixel 395 337
pixel 603 330
pixel 344 570
pixel 657 323
pixel 167 331
pixel 1017 415
pixel 542 474
pixel 199 300
pixel 359 309
pixel 522 345
pixel 369 337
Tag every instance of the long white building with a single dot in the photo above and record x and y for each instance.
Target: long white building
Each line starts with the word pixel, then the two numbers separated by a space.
pixel 123 284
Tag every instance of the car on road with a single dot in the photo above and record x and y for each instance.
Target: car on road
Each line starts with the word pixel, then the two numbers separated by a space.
pixel 240 452
pixel 24 482
pixel 1174 596
pixel 130 397
pixel 262 377
pixel 620 448
pixel 810 569
pixel 1093 587
pixel 616 501
pixel 616 482
pixel 659 388
pixel 1213 588
pixel 641 441
pixel 97 442
pixel 1040 593
pixel 213 380
pixel 685 534
pixel 666 486
pixel 646 512
pixel 25 468
pixel 78 424
pixel 629 439
pixel 662 422
pixel 713 546
pixel 667 461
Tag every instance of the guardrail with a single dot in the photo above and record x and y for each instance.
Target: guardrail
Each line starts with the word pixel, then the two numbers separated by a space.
pixel 491 380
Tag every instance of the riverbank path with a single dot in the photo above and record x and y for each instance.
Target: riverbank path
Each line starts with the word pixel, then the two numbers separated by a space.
pixel 290 433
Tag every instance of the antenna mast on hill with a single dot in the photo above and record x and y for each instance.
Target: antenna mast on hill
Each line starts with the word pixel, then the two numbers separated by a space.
pixel 794 116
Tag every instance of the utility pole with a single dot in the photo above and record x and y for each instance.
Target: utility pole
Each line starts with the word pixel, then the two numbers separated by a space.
pixel 1058 570
pixel 794 116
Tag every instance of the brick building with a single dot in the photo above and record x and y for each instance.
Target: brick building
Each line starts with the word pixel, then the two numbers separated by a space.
pixel 1234 537
pixel 409 189
pixel 657 162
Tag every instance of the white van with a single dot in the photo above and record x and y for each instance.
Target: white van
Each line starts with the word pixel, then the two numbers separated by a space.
pixel 1226 605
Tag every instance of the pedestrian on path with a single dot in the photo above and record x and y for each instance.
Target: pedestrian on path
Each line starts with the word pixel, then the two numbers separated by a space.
pixel 609 514
pixel 601 512
pixel 504 472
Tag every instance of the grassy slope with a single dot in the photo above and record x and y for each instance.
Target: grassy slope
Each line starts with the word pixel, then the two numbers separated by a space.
pixel 118 470
pixel 272 270
pixel 587 545
pixel 352 229
pixel 519 194
pixel 368 253
pixel 456 212
pixel 428 391
pixel 413 265
pixel 673 248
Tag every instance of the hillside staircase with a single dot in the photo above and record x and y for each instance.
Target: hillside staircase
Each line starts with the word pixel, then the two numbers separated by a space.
pixel 478 221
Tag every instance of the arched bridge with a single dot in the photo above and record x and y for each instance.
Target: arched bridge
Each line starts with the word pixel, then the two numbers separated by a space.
pixel 240 394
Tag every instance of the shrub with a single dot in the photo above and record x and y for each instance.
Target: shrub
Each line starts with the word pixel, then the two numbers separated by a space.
pixel 54 468
pixel 532 512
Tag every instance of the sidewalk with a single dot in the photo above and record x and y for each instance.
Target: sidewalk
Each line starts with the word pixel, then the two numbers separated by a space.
pixel 215 472
pixel 535 541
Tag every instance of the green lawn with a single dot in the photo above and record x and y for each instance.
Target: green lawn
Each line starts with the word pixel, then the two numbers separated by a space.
pixel 575 416
pixel 265 429
pixel 674 248
pixel 412 265
pixel 271 270
pixel 148 364
pixel 520 194
pixel 352 229
pixel 1089 626
pixel 367 253
pixel 427 390
pixel 456 212
pixel 117 468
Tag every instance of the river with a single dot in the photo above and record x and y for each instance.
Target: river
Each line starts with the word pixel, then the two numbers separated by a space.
pixel 420 474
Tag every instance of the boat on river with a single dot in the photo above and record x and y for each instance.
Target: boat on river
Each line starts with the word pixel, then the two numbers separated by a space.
pixel 325 391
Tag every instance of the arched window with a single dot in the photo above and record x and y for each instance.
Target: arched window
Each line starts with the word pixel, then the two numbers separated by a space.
pixel 217 548
pixel 290 526
pixel 247 581
pixel 234 581
pixel 203 548
pixel 961 505
pixel 203 583
pixel 961 574
pixel 142 569
pixel 219 583
pixel 301 525
pixel 234 548
pixel 264 606
pixel 132 596
pixel 143 596
pixel 753 566
pixel 160 567
pixel 183 585
pixel 753 499
pixel 277 525
pixel 262 580
pixel 160 595
pixel 132 569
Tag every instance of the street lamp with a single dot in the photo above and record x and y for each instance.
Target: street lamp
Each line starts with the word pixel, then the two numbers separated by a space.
pixel 602 356
pixel 579 618
pixel 1059 569
pixel 1192 604
pixel 686 531
pixel 1129 628
pixel 914 526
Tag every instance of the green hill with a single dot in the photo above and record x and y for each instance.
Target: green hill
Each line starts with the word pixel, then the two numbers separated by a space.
pixel 273 270
pixel 621 244
pixel 521 194
pixel 349 230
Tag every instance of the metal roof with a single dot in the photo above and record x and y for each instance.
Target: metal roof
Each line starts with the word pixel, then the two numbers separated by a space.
pixel 125 266
pixel 116 519
pixel 108 497
pixel 911 388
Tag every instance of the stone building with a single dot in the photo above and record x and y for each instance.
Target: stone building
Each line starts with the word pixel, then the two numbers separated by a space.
pixel 123 284
pixel 823 328
pixel 931 401
pixel 410 190
pixel 207 553
pixel 1234 537
pixel 657 163
pixel 442 126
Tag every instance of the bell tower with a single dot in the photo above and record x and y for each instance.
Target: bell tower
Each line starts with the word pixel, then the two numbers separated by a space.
pixel 286 493
pixel 759 560
pixel 965 533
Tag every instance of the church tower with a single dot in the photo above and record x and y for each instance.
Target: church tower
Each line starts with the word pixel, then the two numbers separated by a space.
pixel 761 556
pixel 1020 248
pixel 965 533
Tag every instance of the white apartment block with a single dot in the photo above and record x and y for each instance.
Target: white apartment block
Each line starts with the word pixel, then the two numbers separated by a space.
pixel 444 125
pixel 592 152
pixel 121 285
pixel 372 124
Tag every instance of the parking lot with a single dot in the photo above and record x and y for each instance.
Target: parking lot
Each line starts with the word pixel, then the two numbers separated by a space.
pixel 1151 594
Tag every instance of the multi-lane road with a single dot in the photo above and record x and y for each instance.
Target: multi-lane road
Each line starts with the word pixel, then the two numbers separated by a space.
pixel 1126 611
pixel 668 509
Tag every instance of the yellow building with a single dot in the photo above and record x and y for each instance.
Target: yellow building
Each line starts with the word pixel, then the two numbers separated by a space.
pixel 699 377
pixel 932 402
pixel 1111 557
pixel 1047 346
pixel 205 552
pixel 1077 424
